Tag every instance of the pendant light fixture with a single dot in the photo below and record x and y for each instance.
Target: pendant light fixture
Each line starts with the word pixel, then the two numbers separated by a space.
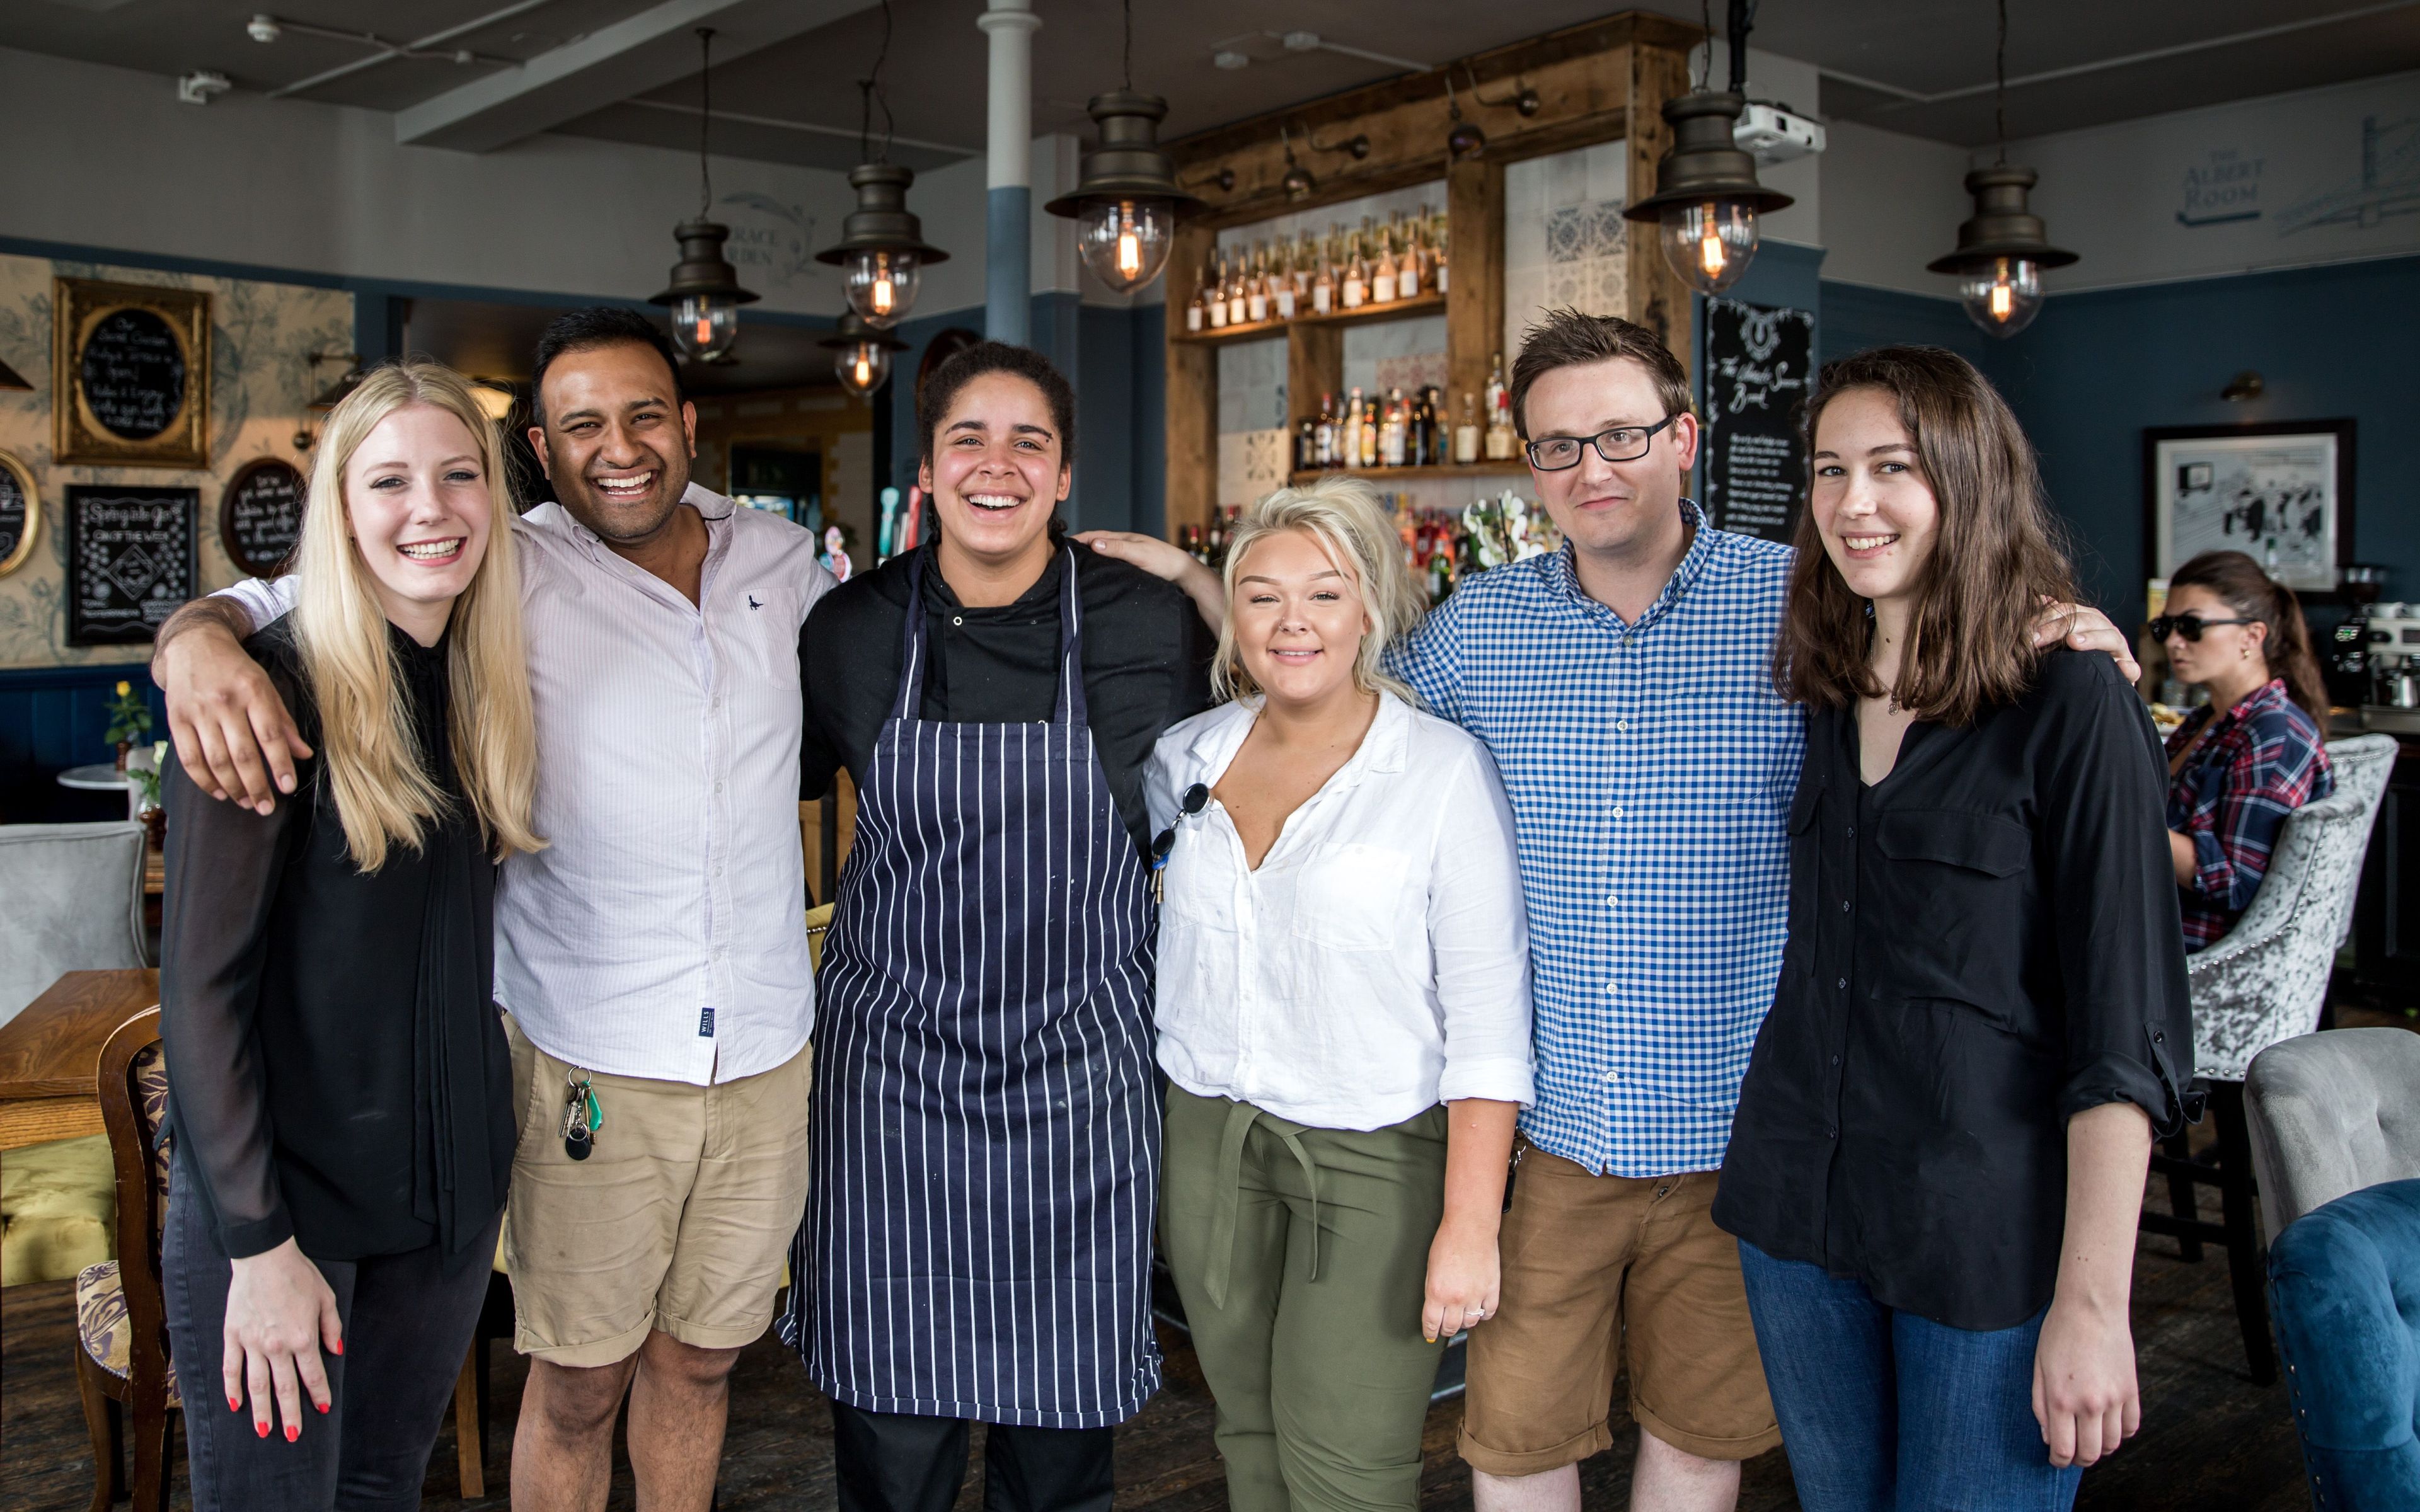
pixel 704 295
pixel 1125 205
pixel 1463 139
pixel 2003 250
pixel 883 250
pixel 860 353
pixel 1707 199
pixel 1298 183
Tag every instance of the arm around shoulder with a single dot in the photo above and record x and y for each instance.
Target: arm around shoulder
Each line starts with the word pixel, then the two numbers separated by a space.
pixel 232 732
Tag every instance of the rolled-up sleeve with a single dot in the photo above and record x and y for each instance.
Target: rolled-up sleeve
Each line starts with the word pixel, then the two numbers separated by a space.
pixel 266 601
pixel 2121 943
pixel 1479 936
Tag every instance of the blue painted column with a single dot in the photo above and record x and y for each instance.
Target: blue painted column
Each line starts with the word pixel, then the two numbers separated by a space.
pixel 1008 249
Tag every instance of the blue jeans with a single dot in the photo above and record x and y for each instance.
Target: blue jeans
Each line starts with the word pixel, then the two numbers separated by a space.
pixel 1886 1411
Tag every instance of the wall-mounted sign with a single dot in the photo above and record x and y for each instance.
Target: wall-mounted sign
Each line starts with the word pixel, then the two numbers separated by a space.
pixel 130 373
pixel 260 515
pixel 1758 364
pixel 2280 491
pixel 131 560
pixel 21 514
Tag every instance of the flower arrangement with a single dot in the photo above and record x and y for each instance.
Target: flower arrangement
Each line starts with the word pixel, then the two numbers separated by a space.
pixel 130 721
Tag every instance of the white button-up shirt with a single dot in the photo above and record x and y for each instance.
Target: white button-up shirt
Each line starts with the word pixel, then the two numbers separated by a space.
pixel 661 932
pixel 1378 962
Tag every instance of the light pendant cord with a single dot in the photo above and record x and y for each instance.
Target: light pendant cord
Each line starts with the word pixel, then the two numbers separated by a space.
pixel 1128 61
pixel 705 119
pixel 2000 95
pixel 1706 64
pixel 872 93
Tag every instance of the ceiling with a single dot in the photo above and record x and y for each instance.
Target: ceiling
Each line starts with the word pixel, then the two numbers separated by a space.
pixel 495 340
pixel 785 82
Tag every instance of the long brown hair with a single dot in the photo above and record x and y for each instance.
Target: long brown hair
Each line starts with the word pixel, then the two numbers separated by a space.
pixel 1997 555
pixel 2252 594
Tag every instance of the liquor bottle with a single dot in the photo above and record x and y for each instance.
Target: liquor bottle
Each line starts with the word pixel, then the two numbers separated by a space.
pixel 1306 446
pixel 1323 284
pixel 1382 268
pixel 1495 386
pixel 1219 296
pixel 1306 269
pixel 1407 263
pixel 1282 286
pixel 1438 259
pixel 1197 314
pixel 1370 434
pixel 1391 432
pixel 1423 428
pixel 1256 290
pixel 1348 441
pixel 1357 278
pixel 1465 436
pixel 1214 548
pixel 1238 290
pixel 1500 439
pixel 1323 440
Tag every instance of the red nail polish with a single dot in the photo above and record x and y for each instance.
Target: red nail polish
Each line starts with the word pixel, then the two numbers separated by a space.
pixel 339 1347
pixel 293 1431
pixel 234 1406
pixel 259 1428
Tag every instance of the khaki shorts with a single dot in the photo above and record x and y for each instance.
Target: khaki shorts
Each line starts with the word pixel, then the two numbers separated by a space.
pixel 1597 1267
pixel 679 1219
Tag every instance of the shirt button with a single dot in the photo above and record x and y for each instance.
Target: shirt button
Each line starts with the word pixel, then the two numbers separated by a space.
pixel 958 619
pixel 1832 1134
pixel 1622 724
pixel 1844 905
pixel 1613 1075
pixel 1844 982
pixel 1617 811
pixel 1836 1061
pixel 1852 832
pixel 1612 901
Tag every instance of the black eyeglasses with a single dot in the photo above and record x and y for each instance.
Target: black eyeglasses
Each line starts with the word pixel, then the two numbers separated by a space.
pixel 1197 798
pixel 2189 625
pixel 1624 444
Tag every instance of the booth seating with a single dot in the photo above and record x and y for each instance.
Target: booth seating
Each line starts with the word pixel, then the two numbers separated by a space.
pixel 2267 980
pixel 2335 1135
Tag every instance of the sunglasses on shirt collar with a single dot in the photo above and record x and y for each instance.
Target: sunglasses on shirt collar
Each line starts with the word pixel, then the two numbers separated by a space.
pixel 2189 625
pixel 1197 798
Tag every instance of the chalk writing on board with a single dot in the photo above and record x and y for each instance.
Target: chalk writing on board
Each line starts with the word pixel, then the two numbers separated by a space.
pixel 131 560
pixel 1758 363
pixel 132 374
pixel 260 516
pixel 18 513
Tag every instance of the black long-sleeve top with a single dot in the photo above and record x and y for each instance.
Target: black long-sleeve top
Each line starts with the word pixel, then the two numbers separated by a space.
pixel 1146 665
pixel 337 1074
pixel 1981 945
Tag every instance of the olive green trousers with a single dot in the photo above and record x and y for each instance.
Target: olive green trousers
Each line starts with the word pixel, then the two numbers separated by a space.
pixel 1301 1256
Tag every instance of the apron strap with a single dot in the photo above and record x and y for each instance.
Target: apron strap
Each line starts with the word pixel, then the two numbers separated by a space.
pixel 1069 709
pixel 1240 1118
pixel 909 700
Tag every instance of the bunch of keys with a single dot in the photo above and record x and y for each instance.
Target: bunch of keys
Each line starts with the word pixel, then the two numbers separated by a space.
pixel 582 1116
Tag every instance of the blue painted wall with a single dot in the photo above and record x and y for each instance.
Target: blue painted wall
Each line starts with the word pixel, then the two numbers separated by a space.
pixel 52 719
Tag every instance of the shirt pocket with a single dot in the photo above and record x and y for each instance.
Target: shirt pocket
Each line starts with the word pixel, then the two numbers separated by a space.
pixel 1349 897
pixel 1954 906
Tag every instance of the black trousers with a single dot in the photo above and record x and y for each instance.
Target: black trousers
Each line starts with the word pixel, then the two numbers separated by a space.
pixel 891 1463
pixel 408 1320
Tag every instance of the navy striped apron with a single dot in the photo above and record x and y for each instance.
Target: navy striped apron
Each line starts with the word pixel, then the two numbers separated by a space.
pixel 987 1128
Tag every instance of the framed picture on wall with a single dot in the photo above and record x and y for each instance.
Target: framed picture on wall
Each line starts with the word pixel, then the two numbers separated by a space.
pixel 130 373
pixel 2280 491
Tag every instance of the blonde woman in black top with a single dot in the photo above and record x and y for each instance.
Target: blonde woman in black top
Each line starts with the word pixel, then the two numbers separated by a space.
pixel 1982 1018
pixel 339 1089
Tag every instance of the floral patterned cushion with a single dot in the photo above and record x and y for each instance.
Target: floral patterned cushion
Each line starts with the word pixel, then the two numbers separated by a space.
pixel 101 1324
pixel 150 1073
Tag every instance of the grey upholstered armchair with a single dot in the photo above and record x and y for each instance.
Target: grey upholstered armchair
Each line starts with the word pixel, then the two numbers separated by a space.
pixel 72 895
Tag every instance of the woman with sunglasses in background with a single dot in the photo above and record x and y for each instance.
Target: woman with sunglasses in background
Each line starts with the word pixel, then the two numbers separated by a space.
pixel 2255 753
pixel 1344 1016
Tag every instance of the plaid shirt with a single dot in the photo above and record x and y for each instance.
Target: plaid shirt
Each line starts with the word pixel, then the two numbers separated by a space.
pixel 1650 768
pixel 2262 760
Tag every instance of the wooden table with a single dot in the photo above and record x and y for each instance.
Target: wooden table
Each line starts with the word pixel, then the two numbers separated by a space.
pixel 49 1054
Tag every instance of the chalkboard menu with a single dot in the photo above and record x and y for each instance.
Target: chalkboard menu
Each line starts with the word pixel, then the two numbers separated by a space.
pixel 131 560
pixel 1758 364
pixel 260 516
pixel 132 374
pixel 20 513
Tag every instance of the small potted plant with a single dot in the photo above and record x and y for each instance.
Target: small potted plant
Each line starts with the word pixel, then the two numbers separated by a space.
pixel 147 807
pixel 130 721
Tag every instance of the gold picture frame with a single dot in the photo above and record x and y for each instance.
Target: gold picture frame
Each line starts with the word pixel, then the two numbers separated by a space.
pixel 15 474
pixel 130 373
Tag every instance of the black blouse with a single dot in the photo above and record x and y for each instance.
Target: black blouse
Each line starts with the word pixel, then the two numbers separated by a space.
pixel 1146 665
pixel 1981 945
pixel 337 1074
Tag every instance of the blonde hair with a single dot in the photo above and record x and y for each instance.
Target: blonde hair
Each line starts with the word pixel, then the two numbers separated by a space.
pixel 373 764
pixel 1343 514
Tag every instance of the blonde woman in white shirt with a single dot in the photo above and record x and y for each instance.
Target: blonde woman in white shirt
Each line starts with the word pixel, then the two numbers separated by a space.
pixel 1344 1016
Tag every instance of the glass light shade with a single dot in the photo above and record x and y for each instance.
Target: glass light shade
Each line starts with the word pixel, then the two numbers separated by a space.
pixel 705 325
pixel 1125 242
pixel 863 367
pixel 882 285
pixel 2004 296
pixel 1708 244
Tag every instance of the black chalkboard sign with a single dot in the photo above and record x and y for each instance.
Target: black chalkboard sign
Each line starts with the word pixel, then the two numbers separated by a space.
pixel 132 374
pixel 20 513
pixel 1758 364
pixel 260 516
pixel 131 560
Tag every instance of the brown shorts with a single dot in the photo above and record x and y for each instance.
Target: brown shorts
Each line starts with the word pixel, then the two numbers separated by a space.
pixel 679 1219
pixel 1598 1269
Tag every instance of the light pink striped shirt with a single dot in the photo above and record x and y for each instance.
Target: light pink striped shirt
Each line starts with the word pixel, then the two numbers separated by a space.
pixel 660 933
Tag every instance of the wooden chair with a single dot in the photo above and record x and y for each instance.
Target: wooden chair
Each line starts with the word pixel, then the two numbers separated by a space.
pixel 122 1366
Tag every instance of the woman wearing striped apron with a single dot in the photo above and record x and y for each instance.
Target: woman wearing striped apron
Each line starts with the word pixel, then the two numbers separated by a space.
pixel 977 1245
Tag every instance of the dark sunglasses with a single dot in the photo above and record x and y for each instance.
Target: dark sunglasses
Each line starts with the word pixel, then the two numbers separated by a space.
pixel 2189 625
pixel 1197 798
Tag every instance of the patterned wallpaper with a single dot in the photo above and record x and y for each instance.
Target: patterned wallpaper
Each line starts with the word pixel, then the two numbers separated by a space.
pixel 260 336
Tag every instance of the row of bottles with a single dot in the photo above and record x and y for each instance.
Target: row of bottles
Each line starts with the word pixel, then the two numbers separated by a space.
pixel 1398 432
pixel 1441 549
pixel 1401 260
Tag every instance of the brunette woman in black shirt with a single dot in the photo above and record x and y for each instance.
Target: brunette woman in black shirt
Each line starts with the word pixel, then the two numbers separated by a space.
pixel 339 1088
pixel 1940 1141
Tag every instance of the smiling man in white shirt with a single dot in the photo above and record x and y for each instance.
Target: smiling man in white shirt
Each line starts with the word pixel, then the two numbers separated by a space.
pixel 654 956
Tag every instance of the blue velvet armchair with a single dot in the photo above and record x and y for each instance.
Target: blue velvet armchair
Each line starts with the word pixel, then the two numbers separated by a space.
pixel 2344 1285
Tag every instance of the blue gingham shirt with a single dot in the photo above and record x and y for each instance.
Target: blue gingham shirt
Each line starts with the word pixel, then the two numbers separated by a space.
pixel 1650 768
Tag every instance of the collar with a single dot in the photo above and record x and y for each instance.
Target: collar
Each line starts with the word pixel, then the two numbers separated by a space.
pixel 1385 748
pixel 1042 595
pixel 2268 695
pixel 1563 574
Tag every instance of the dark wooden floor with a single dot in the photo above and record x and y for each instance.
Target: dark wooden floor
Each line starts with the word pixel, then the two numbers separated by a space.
pixel 2211 1442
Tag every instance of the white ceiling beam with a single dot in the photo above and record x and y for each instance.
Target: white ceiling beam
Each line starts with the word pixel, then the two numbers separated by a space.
pixel 630 57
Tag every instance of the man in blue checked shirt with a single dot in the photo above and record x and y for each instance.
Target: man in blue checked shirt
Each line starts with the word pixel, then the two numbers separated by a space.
pixel 1622 685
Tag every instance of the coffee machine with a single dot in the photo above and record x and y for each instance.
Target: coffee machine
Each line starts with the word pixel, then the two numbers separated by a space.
pixel 2391 639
